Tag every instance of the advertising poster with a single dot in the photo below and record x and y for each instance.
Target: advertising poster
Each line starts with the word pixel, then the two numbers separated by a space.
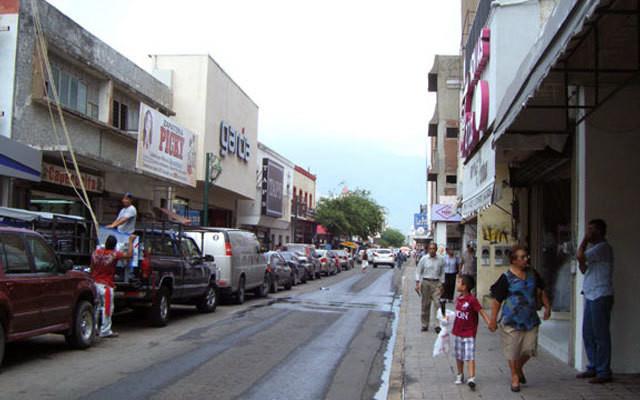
pixel 272 188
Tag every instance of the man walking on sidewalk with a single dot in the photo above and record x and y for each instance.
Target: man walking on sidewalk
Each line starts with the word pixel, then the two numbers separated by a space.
pixel 429 281
pixel 596 263
pixel 451 263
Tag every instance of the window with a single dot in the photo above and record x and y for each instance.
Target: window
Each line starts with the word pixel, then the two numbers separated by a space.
pixel 452 133
pixel 71 90
pixel 189 248
pixel 120 115
pixel 453 179
pixel 43 259
pixel 16 259
pixel 310 201
pixel 158 245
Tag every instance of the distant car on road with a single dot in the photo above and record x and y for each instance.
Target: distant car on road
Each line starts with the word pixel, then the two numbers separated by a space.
pixel 383 257
pixel 327 262
pixel 297 266
pixel 308 251
pixel 39 294
pixel 278 271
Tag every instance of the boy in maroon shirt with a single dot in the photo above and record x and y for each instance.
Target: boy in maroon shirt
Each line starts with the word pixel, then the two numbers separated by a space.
pixel 465 328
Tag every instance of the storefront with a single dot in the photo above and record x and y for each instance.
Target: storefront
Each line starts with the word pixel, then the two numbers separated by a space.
pixel 17 162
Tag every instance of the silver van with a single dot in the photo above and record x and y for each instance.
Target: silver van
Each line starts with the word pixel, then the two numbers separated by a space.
pixel 242 266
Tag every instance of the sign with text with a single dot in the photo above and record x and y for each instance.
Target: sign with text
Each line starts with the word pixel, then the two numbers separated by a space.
pixel 57 175
pixel 420 221
pixel 165 148
pixel 444 213
pixel 272 188
pixel 478 179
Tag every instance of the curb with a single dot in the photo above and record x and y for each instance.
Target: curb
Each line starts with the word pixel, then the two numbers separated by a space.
pixel 396 380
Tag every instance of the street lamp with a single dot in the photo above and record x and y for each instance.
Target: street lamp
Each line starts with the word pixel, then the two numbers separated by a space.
pixel 212 170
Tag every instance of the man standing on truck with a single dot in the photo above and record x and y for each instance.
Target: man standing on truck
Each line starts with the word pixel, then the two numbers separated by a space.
pixel 103 268
pixel 126 221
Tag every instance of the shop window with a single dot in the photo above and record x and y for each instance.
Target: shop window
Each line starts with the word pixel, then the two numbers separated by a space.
pixel 452 133
pixel 72 92
pixel 16 259
pixel 452 179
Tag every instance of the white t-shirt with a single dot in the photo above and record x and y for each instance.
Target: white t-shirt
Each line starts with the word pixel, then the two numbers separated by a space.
pixel 130 225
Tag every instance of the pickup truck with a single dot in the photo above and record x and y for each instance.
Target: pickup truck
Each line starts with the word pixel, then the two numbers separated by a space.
pixel 39 294
pixel 171 270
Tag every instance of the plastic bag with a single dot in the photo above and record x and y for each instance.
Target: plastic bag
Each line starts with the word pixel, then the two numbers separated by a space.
pixel 442 345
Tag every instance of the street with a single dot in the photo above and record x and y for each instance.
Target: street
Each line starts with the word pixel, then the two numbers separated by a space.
pixel 326 339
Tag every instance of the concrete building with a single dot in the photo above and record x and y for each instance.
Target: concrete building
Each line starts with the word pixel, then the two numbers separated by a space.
pixel 101 93
pixel 208 102
pixel 303 206
pixel 559 107
pixel 269 215
pixel 445 82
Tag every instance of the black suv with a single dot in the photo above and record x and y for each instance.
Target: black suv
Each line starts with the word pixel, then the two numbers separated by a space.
pixel 171 271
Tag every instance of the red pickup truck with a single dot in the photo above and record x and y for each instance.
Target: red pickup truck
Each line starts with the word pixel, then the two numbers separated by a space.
pixel 39 294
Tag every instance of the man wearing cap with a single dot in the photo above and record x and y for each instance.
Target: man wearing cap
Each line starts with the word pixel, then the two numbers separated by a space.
pixel 126 221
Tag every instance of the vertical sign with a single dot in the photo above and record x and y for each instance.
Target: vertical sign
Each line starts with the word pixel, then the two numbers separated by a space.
pixel 272 188
pixel 8 50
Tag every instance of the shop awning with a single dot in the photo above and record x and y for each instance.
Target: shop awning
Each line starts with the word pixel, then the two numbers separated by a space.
pixel 566 21
pixel 19 161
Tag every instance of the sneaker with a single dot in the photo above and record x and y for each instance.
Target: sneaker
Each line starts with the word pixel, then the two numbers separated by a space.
pixel 459 379
pixel 472 383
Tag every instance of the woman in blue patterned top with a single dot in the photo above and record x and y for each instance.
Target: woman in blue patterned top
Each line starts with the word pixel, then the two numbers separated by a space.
pixel 517 291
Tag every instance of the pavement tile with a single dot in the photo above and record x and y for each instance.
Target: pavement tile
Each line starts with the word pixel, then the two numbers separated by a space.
pixel 426 377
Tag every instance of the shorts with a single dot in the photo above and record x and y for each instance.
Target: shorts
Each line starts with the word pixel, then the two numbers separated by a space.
pixel 465 348
pixel 516 344
pixel 365 264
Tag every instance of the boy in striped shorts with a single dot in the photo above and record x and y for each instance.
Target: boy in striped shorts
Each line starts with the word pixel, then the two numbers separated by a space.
pixel 465 328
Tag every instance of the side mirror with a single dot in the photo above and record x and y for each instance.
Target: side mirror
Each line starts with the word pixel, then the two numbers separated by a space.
pixel 67 265
pixel 209 258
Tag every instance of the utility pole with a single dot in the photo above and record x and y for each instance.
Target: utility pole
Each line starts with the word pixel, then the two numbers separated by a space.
pixel 212 170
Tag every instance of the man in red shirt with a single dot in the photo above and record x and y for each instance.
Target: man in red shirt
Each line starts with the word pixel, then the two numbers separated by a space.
pixel 103 268
pixel 465 328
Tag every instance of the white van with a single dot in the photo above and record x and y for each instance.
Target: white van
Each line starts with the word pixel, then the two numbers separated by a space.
pixel 242 266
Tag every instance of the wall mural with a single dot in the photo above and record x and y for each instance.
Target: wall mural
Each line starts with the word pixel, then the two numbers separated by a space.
pixel 495 234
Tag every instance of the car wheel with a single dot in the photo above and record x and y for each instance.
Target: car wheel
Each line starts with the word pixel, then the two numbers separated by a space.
pixel 263 290
pixel 274 284
pixel 209 300
pixel 296 278
pixel 375 265
pixel 160 307
pixel 241 292
pixel 289 284
pixel 83 329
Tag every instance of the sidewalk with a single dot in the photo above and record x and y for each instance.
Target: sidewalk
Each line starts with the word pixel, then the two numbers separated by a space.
pixel 416 374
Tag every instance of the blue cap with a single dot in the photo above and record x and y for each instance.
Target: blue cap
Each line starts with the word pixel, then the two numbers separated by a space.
pixel 128 195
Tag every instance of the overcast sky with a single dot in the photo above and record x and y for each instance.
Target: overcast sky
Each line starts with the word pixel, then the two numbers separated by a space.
pixel 341 85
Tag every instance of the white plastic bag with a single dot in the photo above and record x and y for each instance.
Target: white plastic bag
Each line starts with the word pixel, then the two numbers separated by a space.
pixel 442 346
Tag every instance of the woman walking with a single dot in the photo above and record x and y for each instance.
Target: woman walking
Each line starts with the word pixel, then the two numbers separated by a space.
pixel 518 291
pixel 365 260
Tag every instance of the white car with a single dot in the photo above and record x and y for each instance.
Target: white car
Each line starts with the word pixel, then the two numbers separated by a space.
pixel 383 257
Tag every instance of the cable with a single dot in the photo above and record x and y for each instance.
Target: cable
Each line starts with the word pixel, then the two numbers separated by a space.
pixel 45 58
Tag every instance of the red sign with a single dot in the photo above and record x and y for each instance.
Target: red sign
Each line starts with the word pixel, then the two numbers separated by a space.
pixel 57 175
pixel 475 99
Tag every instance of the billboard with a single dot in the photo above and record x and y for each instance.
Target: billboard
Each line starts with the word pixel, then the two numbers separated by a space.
pixel 444 213
pixel 272 188
pixel 165 149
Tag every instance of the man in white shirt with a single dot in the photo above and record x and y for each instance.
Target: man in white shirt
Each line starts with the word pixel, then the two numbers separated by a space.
pixel 429 281
pixel 451 263
pixel 126 221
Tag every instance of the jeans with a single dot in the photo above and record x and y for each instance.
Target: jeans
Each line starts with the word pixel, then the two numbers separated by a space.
pixel 596 335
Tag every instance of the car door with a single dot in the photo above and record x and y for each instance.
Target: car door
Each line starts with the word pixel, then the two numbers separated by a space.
pixel 195 276
pixel 22 286
pixel 57 287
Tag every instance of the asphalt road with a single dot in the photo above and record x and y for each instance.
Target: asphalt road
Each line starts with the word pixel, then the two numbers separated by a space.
pixel 325 339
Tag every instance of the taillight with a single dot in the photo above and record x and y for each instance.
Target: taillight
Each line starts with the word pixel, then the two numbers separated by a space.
pixel 268 267
pixel 323 260
pixel 227 249
pixel 145 267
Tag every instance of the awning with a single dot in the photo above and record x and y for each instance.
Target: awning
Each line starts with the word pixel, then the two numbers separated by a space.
pixel 351 245
pixel 19 161
pixel 566 21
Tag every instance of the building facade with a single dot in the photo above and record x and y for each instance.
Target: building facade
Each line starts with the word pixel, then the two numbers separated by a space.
pixel 303 206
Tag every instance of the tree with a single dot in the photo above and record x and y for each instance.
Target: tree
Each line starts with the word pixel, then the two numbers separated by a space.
pixel 351 214
pixel 392 238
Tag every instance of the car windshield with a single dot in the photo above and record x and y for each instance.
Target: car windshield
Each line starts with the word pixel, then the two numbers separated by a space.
pixel 383 251
pixel 287 255
pixel 321 253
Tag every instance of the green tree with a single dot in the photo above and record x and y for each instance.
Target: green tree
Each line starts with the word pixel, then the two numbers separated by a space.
pixel 351 214
pixel 392 238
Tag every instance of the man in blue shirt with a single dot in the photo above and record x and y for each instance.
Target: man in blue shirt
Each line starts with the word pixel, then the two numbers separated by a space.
pixel 595 258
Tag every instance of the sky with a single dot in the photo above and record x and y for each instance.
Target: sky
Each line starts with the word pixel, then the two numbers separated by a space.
pixel 341 85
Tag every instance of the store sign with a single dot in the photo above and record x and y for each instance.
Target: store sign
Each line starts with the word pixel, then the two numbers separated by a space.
pixel 57 175
pixel 420 221
pixel 232 142
pixel 479 178
pixel 272 188
pixel 475 98
pixel 165 148
pixel 444 213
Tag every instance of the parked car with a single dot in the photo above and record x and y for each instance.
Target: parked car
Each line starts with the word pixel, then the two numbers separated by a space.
pixel 298 268
pixel 172 271
pixel 309 252
pixel 327 263
pixel 278 271
pixel 343 256
pixel 242 266
pixel 383 257
pixel 39 294
pixel 312 269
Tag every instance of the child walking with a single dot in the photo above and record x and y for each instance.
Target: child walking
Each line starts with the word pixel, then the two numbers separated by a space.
pixel 465 328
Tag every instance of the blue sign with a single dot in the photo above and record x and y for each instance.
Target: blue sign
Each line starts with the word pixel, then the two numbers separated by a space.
pixel 420 221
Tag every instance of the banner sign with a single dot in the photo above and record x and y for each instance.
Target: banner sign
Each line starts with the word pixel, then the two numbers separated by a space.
pixel 444 213
pixel 272 188
pixel 479 175
pixel 55 174
pixel 420 221
pixel 165 149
